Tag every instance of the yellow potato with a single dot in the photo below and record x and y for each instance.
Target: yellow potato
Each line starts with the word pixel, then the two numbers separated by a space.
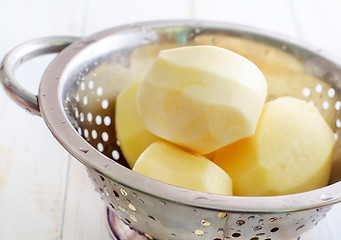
pixel 133 136
pixel 290 151
pixel 171 164
pixel 201 97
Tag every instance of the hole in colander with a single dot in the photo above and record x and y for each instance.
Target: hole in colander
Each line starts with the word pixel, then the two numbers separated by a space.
pixel 115 154
pixel 337 105
pixel 199 232
pixel 306 92
pixel 116 194
pixel 257 228
pixel 132 207
pixel 132 217
pixel 81 117
pixel 236 235
pixel 151 217
pixel 85 100
pixel 302 226
pixel 222 215
pixel 98 120
pixel 86 133
pixel 240 222
pixel 325 105
pixel 100 147
pixel 318 88
pixel 205 223
pixel 254 238
pixel 124 192
pixel 82 86
pixel 99 91
pixel 105 136
pixel 113 207
pixel 127 220
pixel 105 103
pixel 275 229
pixel 89 117
pixel 107 120
pixel 331 92
pixel 91 84
pixel 94 134
pixel 338 123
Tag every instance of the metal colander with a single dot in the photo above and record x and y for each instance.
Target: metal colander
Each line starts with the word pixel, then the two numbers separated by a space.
pixel 77 101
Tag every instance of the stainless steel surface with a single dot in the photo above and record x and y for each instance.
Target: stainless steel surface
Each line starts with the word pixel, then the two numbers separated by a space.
pixel 119 230
pixel 78 105
pixel 19 56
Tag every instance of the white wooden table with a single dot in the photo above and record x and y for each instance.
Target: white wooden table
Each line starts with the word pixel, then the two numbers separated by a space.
pixel 45 193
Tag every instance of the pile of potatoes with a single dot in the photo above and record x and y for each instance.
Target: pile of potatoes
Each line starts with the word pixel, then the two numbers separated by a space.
pixel 199 120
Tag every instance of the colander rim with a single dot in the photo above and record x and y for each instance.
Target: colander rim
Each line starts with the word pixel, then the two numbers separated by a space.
pixel 53 113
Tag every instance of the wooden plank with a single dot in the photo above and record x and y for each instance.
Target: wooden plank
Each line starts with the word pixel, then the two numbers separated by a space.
pixel 274 16
pixel 320 23
pixel 32 176
pixel 328 228
pixel 113 13
pixel 32 164
pixel 24 20
pixel 85 216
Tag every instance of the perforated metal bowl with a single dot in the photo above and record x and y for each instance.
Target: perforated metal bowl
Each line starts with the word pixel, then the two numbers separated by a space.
pixel 77 101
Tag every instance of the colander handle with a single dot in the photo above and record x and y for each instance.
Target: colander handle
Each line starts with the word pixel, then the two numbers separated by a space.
pixel 20 55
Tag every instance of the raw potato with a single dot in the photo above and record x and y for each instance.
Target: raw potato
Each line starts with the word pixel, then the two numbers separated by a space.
pixel 201 97
pixel 171 164
pixel 290 152
pixel 133 136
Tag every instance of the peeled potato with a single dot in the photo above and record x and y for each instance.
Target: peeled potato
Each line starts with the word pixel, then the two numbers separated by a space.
pixel 290 151
pixel 201 97
pixel 134 138
pixel 171 164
